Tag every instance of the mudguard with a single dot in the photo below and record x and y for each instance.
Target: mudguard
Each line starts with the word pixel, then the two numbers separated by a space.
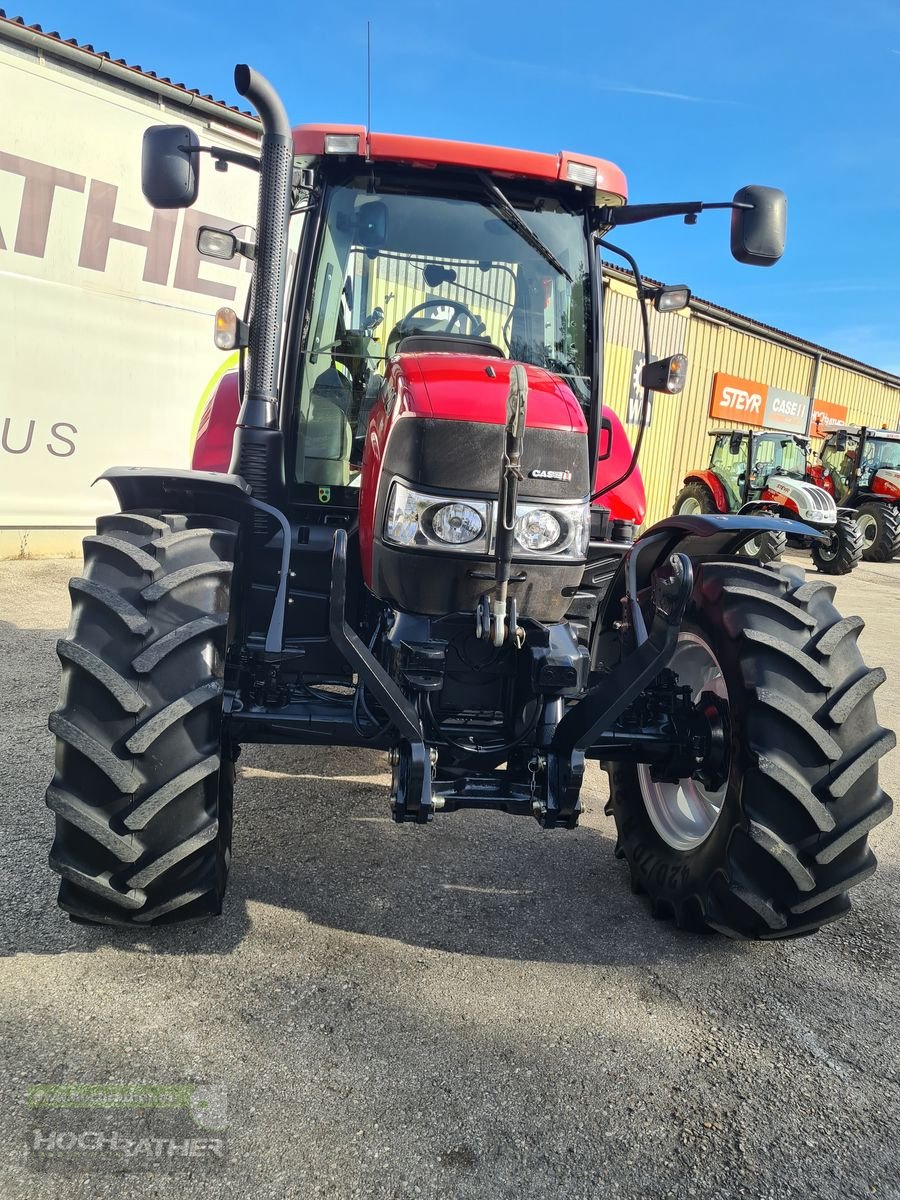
pixel 179 490
pixel 709 535
pixel 710 480
pixel 207 492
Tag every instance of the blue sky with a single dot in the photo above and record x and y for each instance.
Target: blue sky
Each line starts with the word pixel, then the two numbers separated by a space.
pixel 692 100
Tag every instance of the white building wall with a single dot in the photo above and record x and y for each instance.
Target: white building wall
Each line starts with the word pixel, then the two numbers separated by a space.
pixel 105 306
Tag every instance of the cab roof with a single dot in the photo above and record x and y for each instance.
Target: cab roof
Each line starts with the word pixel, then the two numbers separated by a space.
pixel 756 431
pixel 565 167
pixel 891 435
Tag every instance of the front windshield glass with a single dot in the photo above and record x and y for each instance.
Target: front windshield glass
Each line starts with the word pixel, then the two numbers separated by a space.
pixel 394 264
pixel 781 455
pixel 881 454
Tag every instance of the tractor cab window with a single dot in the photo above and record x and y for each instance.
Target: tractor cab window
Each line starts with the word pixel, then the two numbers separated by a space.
pixel 840 454
pixel 776 454
pixel 880 454
pixel 402 270
pixel 729 461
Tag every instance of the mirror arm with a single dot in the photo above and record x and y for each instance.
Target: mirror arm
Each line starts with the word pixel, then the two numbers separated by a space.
pixel 632 214
pixel 224 157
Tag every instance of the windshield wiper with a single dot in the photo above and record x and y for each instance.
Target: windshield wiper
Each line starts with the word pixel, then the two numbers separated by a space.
pixel 509 215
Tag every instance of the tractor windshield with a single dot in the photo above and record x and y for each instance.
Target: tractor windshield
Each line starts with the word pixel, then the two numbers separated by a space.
pixel 881 454
pixel 397 263
pixel 780 454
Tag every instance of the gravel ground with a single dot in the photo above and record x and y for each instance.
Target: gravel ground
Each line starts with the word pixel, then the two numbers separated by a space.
pixel 476 1009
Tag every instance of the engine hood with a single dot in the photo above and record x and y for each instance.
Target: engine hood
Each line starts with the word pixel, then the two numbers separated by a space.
pixel 886 482
pixel 472 387
pixel 811 503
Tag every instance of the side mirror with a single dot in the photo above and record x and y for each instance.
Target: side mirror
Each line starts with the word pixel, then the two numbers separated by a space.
pixel 371 230
pixel 758 227
pixel 734 443
pixel 170 172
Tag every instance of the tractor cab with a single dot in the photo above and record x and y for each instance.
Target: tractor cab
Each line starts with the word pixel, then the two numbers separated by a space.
pixel 744 461
pixel 860 467
pixel 775 454
pixel 861 459
pixel 414 252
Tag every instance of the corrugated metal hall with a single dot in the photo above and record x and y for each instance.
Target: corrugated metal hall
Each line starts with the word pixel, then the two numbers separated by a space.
pixel 740 373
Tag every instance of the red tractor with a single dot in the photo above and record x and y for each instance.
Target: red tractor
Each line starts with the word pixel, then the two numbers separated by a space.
pixel 766 473
pixel 426 544
pixel 860 467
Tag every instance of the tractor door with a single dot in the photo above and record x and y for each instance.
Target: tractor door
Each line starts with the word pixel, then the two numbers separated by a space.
pixel 840 455
pixel 729 462
pixel 765 460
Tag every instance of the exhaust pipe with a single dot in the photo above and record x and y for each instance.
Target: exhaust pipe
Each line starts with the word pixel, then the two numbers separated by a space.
pixel 259 409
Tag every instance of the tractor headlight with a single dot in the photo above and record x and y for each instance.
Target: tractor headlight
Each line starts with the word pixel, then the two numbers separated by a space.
pixel 457 523
pixel 537 529
pixel 546 530
pixel 419 521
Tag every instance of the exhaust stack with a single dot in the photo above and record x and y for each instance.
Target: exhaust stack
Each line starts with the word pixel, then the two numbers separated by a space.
pixel 259 408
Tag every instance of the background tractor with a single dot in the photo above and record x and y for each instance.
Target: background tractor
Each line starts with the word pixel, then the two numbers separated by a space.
pixel 860 467
pixel 425 544
pixel 766 473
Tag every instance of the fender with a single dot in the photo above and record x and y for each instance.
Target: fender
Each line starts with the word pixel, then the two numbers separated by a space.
pixel 628 501
pixel 210 492
pixel 701 535
pixel 712 481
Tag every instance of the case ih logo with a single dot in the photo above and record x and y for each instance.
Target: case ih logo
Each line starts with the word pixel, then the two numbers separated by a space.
pixel 752 403
pixel 562 476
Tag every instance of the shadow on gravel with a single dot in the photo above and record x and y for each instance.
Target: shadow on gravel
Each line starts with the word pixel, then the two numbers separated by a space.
pixel 485 884
pixel 323 845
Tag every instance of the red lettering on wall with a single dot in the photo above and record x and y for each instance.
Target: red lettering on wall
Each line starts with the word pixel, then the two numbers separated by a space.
pixel 100 229
pixel 41 183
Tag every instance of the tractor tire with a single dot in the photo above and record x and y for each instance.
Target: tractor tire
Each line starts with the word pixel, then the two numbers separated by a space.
pixel 765 547
pixel 775 851
pixel 879 526
pixel 843 552
pixel 694 498
pixel 144 776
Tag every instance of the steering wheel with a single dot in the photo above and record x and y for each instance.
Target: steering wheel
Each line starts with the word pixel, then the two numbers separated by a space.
pixel 460 310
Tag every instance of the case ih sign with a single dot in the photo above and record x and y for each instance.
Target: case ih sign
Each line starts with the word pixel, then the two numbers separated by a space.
pixel 751 403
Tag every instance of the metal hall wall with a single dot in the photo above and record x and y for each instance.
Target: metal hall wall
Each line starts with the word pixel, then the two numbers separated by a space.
pixel 676 439
pixel 668 335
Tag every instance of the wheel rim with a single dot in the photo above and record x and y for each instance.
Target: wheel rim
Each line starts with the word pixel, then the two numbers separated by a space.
pixel 868 527
pixel 690 507
pixel 752 548
pixel 828 550
pixel 685 813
